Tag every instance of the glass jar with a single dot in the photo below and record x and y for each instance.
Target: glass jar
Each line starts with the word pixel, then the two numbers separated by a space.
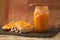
pixel 41 19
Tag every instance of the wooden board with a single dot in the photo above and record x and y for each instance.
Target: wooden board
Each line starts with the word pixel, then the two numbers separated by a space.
pixel 14 10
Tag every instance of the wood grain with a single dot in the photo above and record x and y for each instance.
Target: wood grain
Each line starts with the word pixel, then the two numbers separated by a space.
pixel 14 10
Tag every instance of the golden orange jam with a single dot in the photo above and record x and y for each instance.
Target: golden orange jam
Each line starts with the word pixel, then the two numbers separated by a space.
pixel 41 16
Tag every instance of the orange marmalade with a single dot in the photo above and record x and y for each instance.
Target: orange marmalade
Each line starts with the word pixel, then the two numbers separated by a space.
pixel 41 16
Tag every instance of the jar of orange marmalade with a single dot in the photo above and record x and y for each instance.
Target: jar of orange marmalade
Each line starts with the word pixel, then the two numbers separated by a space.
pixel 41 19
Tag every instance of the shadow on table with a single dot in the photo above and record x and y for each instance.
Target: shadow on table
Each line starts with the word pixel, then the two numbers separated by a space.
pixel 51 33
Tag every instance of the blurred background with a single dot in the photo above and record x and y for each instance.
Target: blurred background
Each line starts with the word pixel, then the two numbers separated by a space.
pixel 14 10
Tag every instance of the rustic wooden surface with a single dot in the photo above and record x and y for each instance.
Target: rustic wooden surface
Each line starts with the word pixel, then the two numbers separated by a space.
pixel 13 10
pixel 11 37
